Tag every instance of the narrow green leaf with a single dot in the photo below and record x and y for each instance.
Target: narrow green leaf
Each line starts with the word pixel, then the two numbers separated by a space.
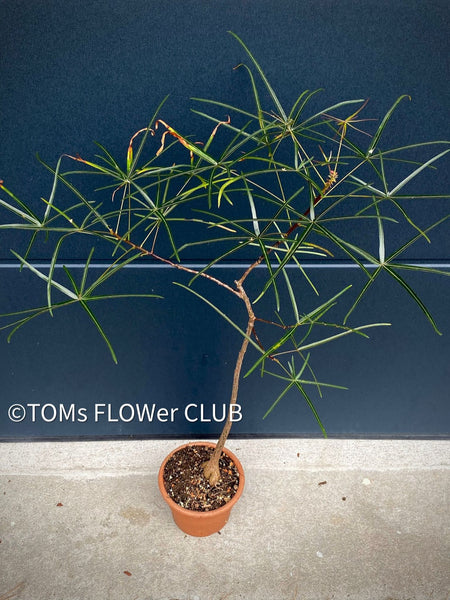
pixel 72 281
pixel 32 314
pixel 295 381
pixel 227 107
pixel 100 329
pixel 348 248
pixel 51 271
pixel 32 220
pixel 271 351
pixel 291 292
pixel 381 246
pixel 108 158
pixel 223 187
pixel 362 293
pixel 268 264
pixel 41 275
pixel 302 126
pixel 88 205
pixel 313 382
pixel 307 320
pixel 129 157
pixel 369 187
pixel 417 171
pixel 221 313
pixel 297 109
pixel 256 97
pixel 288 387
pixel 138 152
pixel 312 408
pixel 414 296
pixel 294 246
pixel 420 269
pixel 414 239
pixel 408 218
pixel 384 122
pixel 53 192
pixel 252 207
pixel 112 270
pixel 263 77
pixel 332 338
pixel 317 312
pixel 26 213
pixel 85 270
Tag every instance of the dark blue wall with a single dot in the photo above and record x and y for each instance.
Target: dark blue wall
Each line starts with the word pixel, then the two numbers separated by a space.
pixel 71 73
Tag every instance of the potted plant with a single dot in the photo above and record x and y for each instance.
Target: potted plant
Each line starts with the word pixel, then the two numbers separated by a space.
pixel 270 189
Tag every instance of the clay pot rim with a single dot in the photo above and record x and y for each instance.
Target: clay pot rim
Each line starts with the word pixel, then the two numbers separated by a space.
pixel 188 511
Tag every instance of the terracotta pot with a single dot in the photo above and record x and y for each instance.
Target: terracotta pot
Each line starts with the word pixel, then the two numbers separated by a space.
pixel 197 523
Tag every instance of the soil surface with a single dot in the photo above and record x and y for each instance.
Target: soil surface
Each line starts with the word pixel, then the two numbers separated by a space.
pixel 186 485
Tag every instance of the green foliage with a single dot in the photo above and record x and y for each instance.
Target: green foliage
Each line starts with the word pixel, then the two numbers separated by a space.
pixel 270 187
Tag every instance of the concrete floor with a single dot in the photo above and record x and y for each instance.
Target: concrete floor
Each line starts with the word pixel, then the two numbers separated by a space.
pixel 318 520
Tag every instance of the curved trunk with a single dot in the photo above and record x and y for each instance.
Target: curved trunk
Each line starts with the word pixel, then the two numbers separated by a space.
pixel 211 467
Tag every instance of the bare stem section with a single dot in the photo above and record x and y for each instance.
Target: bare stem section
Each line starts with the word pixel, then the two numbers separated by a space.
pixel 211 467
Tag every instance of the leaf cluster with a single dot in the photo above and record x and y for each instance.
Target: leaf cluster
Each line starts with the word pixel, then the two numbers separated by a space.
pixel 269 189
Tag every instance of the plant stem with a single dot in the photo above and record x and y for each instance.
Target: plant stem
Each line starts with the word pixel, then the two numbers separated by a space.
pixel 211 467
pixel 175 265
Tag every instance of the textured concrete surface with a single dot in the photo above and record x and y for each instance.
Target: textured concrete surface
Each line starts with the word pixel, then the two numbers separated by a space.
pixel 318 520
